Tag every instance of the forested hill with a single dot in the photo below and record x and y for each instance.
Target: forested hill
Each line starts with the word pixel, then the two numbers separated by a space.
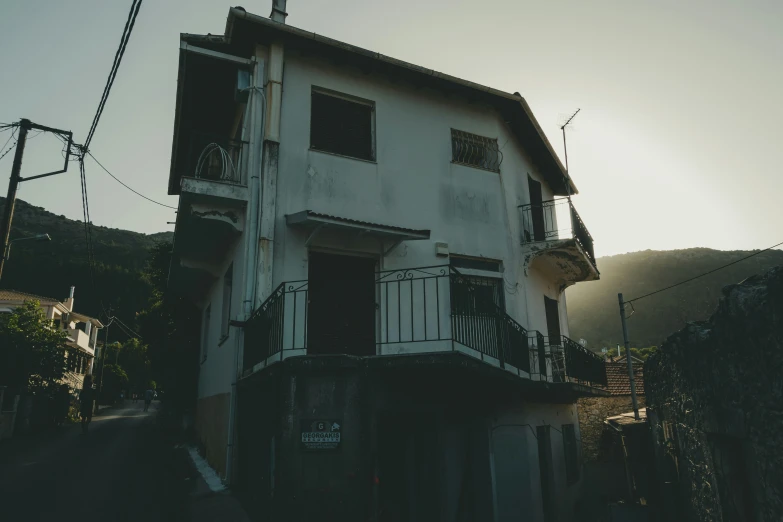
pixel 593 311
pixel 50 268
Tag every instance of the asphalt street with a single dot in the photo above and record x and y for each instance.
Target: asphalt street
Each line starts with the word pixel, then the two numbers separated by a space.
pixel 123 469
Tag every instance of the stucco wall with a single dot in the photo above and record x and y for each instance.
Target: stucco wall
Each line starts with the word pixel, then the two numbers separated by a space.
pixel 216 372
pixel 411 184
pixel 516 462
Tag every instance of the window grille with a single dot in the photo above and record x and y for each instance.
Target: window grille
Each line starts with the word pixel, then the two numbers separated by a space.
pixel 476 151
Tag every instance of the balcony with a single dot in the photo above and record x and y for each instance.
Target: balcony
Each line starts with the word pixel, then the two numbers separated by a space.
pixel 430 310
pixel 211 210
pixel 79 339
pixel 556 240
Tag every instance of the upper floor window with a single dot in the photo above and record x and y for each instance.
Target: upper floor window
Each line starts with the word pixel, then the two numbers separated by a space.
pixel 476 151
pixel 205 332
pixel 228 283
pixel 571 453
pixel 342 125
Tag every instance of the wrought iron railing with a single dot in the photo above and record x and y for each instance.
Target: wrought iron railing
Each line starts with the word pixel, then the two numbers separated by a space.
pixel 429 304
pixel 555 219
pixel 568 361
pixel 279 324
pixel 216 158
pixel 475 151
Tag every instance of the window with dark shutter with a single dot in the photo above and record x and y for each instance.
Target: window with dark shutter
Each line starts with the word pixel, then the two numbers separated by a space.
pixel 342 126
pixel 571 453
pixel 228 283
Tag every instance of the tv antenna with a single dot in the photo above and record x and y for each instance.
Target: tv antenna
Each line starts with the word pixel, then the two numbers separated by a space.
pixel 565 148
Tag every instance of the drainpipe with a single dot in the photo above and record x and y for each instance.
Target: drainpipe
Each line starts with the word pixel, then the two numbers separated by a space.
pixel 278 13
pixel 257 117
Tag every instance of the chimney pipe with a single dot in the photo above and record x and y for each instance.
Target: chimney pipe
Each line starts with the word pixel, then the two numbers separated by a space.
pixel 278 13
pixel 73 289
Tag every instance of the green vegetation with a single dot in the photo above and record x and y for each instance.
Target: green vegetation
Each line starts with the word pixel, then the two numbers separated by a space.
pixel 32 353
pixel 593 312
pixel 49 268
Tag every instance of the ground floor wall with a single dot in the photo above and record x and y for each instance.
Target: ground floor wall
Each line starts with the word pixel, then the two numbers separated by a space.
pixel 348 438
pixel 212 428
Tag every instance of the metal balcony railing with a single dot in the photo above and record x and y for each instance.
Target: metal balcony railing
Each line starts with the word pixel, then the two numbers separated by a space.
pixel 436 305
pixel 555 219
pixel 216 158
pixel 560 359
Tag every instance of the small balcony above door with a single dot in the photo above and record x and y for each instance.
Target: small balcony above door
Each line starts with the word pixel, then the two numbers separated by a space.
pixel 556 240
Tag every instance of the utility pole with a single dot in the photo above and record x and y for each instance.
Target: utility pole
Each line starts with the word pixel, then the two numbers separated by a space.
pixel 25 125
pixel 103 354
pixel 628 357
pixel 13 185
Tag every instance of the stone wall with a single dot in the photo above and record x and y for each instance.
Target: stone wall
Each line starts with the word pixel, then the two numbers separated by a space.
pixel 715 403
pixel 593 411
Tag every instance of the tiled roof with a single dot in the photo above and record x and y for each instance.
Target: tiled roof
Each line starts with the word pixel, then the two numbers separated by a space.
pixel 15 295
pixel 617 382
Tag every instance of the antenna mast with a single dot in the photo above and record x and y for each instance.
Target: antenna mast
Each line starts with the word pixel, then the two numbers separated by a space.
pixel 565 150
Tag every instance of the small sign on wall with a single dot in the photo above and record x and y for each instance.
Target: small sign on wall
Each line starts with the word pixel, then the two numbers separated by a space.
pixel 321 434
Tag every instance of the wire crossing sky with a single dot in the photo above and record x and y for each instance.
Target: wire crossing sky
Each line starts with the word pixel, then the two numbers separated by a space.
pixel 674 146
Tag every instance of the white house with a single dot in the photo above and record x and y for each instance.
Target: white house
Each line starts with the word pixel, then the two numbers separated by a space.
pixel 82 330
pixel 380 253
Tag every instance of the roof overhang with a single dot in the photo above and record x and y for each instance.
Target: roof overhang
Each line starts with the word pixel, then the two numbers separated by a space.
pixel 244 30
pixel 315 222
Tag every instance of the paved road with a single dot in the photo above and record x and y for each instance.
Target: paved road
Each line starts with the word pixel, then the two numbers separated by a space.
pixel 122 470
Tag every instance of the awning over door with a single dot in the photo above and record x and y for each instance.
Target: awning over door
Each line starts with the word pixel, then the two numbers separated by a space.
pixel 315 222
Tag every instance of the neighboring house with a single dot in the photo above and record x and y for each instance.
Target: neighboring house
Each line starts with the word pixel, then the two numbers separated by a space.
pixel 380 253
pixel 593 411
pixel 82 330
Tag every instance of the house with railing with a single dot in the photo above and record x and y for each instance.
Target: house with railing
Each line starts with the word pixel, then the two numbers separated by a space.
pixel 379 252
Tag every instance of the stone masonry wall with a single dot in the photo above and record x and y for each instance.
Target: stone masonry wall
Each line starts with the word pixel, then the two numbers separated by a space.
pixel 718 386
pixel 593 411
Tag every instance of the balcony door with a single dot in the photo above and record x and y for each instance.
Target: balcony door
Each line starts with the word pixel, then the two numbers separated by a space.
pixel 341 309
pixel 536 209
pixel 555 340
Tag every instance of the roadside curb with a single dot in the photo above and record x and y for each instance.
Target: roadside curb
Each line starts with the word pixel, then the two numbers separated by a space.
pixel 205 503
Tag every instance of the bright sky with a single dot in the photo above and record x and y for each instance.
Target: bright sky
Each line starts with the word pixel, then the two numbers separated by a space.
pixel 675 145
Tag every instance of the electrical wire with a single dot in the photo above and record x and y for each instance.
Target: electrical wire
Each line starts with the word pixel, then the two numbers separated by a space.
pixel 126 32
pixel 126 186
pixel 702 275
pixel 6 143
pixel 125 328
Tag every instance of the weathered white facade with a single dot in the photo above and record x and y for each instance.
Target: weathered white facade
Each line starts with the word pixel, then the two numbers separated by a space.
pixel 82 330
pixel 405 250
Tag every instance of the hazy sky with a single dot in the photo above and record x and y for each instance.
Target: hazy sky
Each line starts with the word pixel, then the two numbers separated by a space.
pixel 675 146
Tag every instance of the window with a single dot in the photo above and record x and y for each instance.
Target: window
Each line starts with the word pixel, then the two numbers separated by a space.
pixel 205 332
pixel 228 283
pixel 472 295
pixel 546 472
pixel 476 151
pixel 571 454
pixel 341 125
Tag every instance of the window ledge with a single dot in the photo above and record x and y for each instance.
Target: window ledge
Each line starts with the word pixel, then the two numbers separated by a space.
pixel 474 166
pixel 222 340
pixel 343 156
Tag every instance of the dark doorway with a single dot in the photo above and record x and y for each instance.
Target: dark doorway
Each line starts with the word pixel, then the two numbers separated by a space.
pixel 341 309
pixel 536 210
pixel 552 320
pixel 408 467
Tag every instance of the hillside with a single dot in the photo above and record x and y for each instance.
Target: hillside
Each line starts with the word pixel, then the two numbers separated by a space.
pixel 593 311
pixel 49 268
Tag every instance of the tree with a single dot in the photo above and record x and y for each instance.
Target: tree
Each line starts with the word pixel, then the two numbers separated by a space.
pixel 32 351
pixel 115 380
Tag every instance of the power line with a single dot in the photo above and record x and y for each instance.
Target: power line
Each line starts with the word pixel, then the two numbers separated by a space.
pixel 126 186
pixel 704 274
pixel 6 143
pixel 129 331
pixel 126 32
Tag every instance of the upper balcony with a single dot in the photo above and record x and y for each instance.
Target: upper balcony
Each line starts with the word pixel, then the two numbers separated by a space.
pixel 555 237
pixel 211 211
pixel 426 312
pixel 79 339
